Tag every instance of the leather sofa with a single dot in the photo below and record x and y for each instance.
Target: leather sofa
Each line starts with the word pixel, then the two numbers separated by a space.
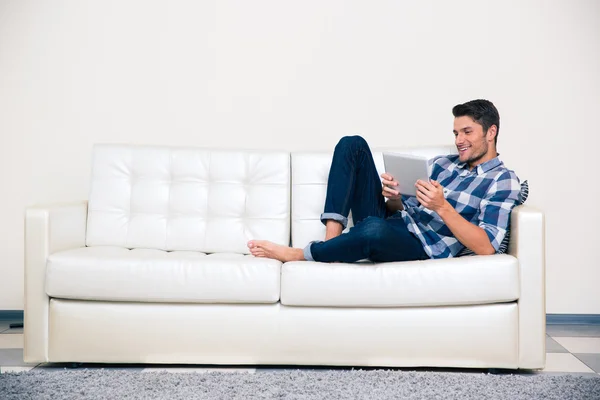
pixel 154 268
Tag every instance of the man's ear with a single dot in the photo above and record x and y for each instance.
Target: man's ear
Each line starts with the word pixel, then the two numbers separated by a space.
pixel 491 133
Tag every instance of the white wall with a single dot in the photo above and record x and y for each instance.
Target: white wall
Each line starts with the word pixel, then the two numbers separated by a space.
pixel 299 75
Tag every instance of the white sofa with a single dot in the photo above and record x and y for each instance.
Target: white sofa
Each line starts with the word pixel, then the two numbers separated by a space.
pixel 155 269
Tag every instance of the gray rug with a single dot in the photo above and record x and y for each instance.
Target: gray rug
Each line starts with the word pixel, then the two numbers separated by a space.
pixel 290 384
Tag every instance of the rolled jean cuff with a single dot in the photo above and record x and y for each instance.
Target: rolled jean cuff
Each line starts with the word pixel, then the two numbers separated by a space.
pixel 336 217
pixel 307 254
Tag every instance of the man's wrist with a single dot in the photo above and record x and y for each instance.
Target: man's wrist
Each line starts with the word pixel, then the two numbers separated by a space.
pixel 394 204
pixel 445 210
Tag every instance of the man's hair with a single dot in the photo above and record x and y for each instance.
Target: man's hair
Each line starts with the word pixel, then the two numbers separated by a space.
pixel 482 111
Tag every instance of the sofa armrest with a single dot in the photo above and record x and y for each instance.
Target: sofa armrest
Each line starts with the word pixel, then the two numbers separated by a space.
pixel 527 243
pixel 48 229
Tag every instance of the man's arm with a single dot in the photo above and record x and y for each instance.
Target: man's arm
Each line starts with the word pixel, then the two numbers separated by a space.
pixel 470 235
pixel 494 218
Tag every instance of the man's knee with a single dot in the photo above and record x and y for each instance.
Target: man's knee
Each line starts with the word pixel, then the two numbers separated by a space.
pixel 352 142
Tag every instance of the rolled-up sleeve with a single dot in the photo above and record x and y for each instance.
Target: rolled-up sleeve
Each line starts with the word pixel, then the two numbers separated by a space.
pixel 496 206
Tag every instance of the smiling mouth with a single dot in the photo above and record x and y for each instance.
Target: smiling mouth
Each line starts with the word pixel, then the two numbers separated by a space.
pixel 463 149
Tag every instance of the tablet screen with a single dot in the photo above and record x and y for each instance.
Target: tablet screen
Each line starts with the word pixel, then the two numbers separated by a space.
pixel 406 169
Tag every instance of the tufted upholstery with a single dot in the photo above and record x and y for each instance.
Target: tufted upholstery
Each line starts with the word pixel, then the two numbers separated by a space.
pixel 310 171
pixel 187 199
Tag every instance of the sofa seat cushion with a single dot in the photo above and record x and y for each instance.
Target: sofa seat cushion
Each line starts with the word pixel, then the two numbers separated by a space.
pixel 144 275
pixel 454 281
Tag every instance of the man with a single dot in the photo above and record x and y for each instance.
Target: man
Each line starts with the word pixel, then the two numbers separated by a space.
pixel 466 203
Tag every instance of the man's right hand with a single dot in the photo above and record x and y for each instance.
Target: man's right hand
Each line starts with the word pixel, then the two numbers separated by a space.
pixel 390 189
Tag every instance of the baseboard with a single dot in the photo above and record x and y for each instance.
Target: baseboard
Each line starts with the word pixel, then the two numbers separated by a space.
pixel 552 319
pixel 573 319
pixel 11 315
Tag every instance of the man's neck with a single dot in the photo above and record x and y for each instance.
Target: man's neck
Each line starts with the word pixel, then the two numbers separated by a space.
pixel 489 156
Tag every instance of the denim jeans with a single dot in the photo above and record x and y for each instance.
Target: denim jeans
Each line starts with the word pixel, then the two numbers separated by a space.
pixel 377 235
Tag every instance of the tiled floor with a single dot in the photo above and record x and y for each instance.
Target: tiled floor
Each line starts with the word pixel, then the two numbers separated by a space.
pixel 570 349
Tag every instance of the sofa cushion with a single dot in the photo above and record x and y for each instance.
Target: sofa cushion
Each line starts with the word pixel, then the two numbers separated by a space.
pixel 118 274
pixel 471 280
pixel 192 199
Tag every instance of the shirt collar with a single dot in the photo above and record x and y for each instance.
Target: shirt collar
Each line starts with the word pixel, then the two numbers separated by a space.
pixel 481 168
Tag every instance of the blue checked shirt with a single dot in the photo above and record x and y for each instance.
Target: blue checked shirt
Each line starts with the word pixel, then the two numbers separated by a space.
pixel 483 196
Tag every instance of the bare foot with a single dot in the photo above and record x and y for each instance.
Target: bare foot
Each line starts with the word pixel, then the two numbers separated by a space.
pixel 264 248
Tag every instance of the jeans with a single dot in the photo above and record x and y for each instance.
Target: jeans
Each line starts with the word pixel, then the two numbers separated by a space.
pixel 377 235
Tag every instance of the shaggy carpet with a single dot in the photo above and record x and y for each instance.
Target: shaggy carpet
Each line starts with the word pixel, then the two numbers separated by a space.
pixel 291 384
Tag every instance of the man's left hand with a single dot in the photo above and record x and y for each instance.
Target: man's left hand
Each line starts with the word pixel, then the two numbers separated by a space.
pixel 430 194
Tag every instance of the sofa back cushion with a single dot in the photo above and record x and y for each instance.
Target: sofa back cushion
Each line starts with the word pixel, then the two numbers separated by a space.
pixel 310 171
pixel 187 198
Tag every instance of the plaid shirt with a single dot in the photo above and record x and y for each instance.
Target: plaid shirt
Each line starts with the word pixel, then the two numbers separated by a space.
pixel 483 196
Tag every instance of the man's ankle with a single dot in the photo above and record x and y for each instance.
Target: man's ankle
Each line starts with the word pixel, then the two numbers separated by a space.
pixel 328 236
pixel 332 229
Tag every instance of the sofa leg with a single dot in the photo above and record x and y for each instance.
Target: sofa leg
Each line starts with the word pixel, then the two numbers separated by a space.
pixel 501 371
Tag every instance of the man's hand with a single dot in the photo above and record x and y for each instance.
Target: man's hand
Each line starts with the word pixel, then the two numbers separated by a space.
pixel 390 188
pixel 431 195
pixel 391 192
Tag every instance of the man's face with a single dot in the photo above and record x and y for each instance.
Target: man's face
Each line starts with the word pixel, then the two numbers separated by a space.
pixel 472 143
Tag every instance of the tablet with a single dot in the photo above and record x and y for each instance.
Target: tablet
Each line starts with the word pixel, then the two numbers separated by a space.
pixel 406 170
